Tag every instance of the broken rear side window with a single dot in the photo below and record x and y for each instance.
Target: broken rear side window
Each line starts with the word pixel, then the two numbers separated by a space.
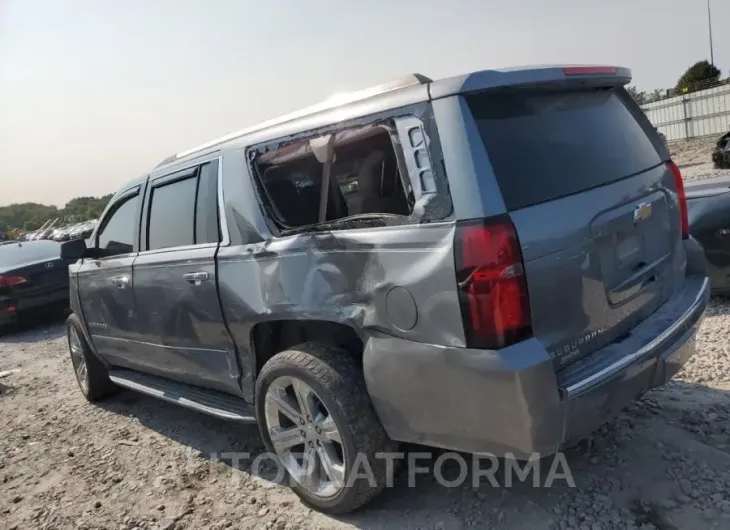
pixel 364 180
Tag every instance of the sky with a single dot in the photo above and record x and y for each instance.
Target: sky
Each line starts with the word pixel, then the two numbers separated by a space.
pixel 94 93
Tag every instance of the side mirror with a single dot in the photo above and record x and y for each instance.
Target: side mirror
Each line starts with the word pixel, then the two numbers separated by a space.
pixel 74 250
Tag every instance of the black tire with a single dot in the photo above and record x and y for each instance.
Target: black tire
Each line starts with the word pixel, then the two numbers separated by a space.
pixel 97 383
pixel 338 381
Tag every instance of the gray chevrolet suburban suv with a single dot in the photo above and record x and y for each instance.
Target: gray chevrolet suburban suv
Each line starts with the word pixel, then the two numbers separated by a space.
pixel 497 262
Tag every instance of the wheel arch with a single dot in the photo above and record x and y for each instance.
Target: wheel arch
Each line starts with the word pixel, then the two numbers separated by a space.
pixel 273 336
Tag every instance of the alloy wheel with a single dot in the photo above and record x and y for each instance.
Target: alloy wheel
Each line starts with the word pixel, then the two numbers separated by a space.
pixel 305 436
pixel 78 359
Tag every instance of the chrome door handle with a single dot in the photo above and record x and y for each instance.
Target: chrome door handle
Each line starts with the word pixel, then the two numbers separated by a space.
pixel 121 281
pixel 195 277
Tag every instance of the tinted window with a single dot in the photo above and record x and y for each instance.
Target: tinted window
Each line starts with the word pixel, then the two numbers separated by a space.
pixel 14 254
pixel 117 235
pixel 206 212
pixel 172 215
pixel 547 144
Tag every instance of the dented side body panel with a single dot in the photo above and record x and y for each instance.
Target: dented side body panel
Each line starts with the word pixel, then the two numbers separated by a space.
pixel 394 280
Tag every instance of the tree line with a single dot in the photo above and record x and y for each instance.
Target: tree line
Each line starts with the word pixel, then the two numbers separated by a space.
pixel 29 216
pixel 699 76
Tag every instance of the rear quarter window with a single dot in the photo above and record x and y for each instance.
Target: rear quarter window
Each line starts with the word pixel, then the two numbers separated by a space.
pixel 546 144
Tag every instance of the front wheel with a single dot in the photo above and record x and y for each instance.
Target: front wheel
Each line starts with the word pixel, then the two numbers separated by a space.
pixel 315 414
pixel 91 375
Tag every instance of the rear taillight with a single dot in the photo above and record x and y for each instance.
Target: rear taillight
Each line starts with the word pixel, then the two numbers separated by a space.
pixel 11 281
pixel 681 197
pixel 495 306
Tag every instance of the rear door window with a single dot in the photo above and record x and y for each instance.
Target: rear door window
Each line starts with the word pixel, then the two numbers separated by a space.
pixel 172 214
pixel 546 144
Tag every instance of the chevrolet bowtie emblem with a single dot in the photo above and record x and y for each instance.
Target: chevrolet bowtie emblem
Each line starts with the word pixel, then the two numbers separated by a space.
pixel 642 212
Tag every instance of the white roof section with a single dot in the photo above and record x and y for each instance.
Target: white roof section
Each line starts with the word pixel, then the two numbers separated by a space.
pixel 330 103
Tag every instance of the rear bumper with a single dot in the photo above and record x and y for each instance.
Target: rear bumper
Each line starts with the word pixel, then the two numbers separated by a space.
pixel 55 297
pixel 512 400
pixel 7 317
pixel 719 279
pixel 7 311
pixel 720 157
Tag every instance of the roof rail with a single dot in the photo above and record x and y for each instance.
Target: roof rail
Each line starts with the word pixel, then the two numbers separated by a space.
pixel 330 103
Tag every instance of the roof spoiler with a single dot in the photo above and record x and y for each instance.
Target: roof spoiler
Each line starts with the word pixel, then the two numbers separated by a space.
pixel 584 74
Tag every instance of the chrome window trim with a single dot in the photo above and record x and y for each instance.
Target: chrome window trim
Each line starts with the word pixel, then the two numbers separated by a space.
pixel 225 237
pixel 123 196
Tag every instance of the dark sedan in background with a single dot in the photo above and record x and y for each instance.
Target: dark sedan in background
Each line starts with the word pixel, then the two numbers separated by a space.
pixel 708 205
pixel 33 278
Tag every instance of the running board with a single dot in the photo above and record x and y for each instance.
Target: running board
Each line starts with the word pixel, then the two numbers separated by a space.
pixel 209 402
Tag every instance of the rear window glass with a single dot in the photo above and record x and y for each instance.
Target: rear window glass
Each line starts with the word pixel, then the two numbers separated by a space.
pixel 548 144
pixel 14 254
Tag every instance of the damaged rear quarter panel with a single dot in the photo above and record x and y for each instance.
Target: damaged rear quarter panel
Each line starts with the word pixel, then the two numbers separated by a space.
pixel 395 280
pixel 380 280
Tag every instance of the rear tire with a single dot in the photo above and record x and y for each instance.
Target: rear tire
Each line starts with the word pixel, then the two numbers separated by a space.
pixel 330 383
pixel 91 374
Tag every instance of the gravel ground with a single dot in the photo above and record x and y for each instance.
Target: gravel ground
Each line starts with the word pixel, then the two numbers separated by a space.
pixel 693 158
pixel 135 463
